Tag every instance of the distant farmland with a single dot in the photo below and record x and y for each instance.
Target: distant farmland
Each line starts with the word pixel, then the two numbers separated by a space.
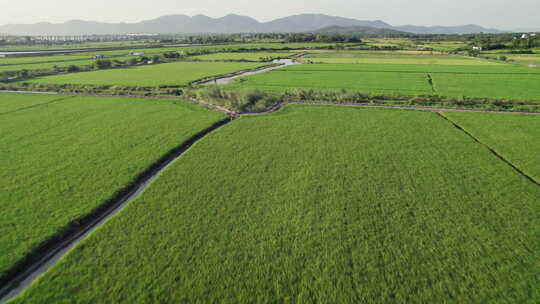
pixel 394 58
pixel 317 205
pixel 497 81
pixel 167 74
pixel 254 56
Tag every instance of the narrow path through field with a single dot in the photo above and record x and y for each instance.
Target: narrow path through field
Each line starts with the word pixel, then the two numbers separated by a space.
pixel 45 257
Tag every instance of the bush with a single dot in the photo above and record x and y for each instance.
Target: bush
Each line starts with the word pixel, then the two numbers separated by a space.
pixel 103 64
pixel 73 69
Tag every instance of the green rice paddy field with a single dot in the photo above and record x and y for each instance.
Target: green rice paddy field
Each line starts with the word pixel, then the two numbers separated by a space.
pixel 18 102
pixel 41 59
pixel 516 137
pixel 62 157
pixel 317 204
pixel 86 58
pixel 252 56
pixel 166 74
pixel 498 81
pixel 394 58
pixel 44 65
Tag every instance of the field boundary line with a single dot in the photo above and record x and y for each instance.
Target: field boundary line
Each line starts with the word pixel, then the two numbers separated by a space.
pixel 407 107
pixel 50 251
pixel 36 105
pixel 493 151
pixel 199 102
pixel 277 106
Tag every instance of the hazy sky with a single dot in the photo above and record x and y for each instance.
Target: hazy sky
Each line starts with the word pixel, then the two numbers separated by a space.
pixel 505 14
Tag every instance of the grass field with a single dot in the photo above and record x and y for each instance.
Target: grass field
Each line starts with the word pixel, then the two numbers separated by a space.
pixel 394 58
pixel 533 59
pixel 86 58
pixel 45 65
pixel 16 102
pixel 317 205
pixel 515 137
pixel 42 59
pixel 498 81
pixel 253 56
pixel 166 74
pixel 62 160
pixel 410 44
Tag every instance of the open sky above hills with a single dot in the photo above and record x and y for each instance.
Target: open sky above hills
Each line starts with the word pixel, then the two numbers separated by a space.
pixel 490 13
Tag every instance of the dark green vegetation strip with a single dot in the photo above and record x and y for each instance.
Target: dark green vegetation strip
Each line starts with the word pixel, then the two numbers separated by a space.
pixel 61 161
pixel 500 81
pixel 515 137
pixel 317 204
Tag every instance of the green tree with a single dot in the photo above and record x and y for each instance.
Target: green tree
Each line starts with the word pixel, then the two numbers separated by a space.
pixel 103 64
pixel 73 68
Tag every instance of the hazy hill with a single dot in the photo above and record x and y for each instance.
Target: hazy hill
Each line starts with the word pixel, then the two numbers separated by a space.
pixel 182 24
pixel 464 29
pixel 360 30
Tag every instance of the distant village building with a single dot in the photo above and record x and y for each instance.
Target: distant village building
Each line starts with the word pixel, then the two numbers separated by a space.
pixel 524 36
pixel 99 57
pixel 136 53
pixel 477 48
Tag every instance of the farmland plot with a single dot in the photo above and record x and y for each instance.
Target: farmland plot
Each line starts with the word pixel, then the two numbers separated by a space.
pixel 16 102
pixel 515 137
pixel 394 58
pixel 317 205
pixel 45 65
pixel 166 74
pixel 62 160
pixel 253 56
pixel 499 81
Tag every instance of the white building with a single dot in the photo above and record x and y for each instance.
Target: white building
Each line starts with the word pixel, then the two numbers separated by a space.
pixel 477 48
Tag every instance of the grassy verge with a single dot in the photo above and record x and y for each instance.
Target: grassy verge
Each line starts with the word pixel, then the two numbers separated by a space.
pixel 247 100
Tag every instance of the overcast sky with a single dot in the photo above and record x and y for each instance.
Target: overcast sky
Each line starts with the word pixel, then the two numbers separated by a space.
pixel 503 14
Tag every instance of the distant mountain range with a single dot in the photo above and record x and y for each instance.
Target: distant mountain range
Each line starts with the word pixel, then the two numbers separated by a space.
pixel 199 24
